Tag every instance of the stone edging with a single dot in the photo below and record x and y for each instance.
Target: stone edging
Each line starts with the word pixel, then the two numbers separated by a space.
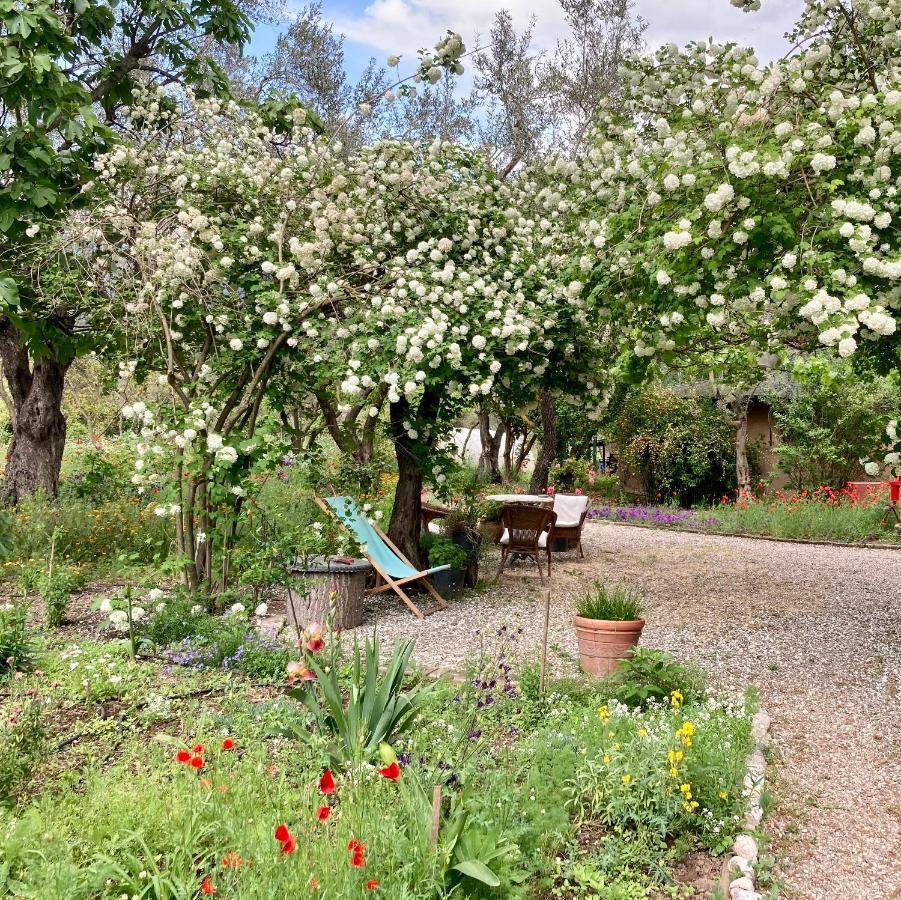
pixel 678 529
pixel 737 877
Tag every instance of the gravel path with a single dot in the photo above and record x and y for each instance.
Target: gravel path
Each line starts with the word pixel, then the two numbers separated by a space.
pixel 816 629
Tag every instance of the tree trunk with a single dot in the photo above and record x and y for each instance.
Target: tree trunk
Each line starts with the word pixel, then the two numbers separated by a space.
pixel 411 454
pixel 742 468
pixel 489 469
pixel 35 453
pixel 548 453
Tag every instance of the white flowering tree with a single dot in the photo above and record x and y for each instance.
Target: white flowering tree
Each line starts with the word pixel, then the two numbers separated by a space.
pixel 239 254
pixel 755 207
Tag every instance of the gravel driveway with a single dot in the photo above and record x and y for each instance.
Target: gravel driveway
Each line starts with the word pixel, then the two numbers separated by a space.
pixel 816 629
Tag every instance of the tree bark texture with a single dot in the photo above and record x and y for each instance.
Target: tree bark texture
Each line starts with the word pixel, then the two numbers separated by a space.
pixel 548 453
pixel 35 453
pixel 489 470
pixel 406 515
pixel 742 468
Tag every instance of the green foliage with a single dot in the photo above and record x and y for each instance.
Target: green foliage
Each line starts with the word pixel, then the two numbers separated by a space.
pixel 620 603
pixel 830 421
pixel 55 588
pixel 23 739
pixel 679 448
pixel 653 675
pixel 672 768
pixel 15 637
pixel 443 552
pixel 378 708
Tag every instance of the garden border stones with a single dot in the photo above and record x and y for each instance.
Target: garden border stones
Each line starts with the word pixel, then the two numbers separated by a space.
pixel 737 876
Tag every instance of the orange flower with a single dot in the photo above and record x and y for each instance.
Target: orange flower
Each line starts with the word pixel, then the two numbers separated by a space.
pixel 206 886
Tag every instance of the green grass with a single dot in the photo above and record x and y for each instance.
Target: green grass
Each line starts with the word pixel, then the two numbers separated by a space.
pixel 621 603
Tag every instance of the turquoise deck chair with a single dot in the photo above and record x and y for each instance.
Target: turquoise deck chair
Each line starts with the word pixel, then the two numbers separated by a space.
pixel 391 566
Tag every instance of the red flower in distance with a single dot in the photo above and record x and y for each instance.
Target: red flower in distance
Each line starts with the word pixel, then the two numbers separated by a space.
pixel 206 886
pixel 392 772
pixel 371 885
pixel 323 813
pixel 354 844
pixel 183 757
pixel 357 860
pixel 198 748
pixel 196 762
pixel 327 782
pixel 231 860
pixel 228 744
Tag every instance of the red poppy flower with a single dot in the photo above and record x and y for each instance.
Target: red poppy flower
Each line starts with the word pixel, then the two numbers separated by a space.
pixel 288 841
pixel 198 748
pixel 371 885
pixel 322 813
pixel 326 782
pixel 183 756
pixel 357 859
pixel 231 860
pixel 353 844
pixel 206 886
pixel 196 762
pixel 290 845
pixel 227 744
pixel 392 772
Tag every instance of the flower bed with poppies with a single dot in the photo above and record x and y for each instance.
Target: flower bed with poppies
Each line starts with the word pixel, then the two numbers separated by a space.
pixel 823 514
pixel 354 778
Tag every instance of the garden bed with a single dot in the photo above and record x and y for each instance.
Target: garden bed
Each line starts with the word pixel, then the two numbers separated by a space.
pixel 806 522
pixel 148 778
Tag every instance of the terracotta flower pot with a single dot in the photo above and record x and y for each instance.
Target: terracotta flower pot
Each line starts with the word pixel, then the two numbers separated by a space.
pixel 603 643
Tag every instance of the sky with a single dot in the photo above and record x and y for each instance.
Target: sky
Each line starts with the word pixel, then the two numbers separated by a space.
pixel 377 28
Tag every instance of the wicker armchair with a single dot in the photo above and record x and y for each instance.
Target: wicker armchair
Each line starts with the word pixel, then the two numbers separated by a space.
pixel 571 511
pixel 527 530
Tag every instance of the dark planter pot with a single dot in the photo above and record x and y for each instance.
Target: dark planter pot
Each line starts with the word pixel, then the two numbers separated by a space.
pixel 470 541
pixel 565 480
pixel 448 581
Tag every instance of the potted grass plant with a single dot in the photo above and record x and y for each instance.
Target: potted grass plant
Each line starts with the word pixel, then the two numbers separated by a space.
pixel 608 625
pixel 442 551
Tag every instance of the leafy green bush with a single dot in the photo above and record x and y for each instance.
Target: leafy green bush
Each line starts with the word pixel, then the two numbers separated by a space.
pixel 15 639
pixel 678 448
pixel 830 421
pixel 618 604
pixel 653 675
pixel 444 552
pixel 55 588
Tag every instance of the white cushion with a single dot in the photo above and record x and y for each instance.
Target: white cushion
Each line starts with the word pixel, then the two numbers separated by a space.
pixel 434 527
pixel 542 539
pixel 569 509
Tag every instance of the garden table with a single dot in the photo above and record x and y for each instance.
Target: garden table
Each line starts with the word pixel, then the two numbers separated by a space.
pixel 534 499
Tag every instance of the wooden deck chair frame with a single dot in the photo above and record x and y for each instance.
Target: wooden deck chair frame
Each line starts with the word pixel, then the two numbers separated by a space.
pixel 391 584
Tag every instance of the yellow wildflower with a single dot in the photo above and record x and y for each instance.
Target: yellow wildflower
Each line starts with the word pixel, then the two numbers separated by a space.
pixel 604 713
pixel 724 795
pixel 627 778
pixel 676 699
pixel 642 732
pixel 606 759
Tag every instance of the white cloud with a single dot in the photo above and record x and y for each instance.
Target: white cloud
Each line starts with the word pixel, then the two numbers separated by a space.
pixel 404 26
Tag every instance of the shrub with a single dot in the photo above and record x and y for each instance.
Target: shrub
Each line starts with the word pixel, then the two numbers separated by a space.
pixel 55 588
pixel 680 448
pixel 618 604
pixel 15 639
pixel 831 421
pixel 443 552
pixel 654 675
